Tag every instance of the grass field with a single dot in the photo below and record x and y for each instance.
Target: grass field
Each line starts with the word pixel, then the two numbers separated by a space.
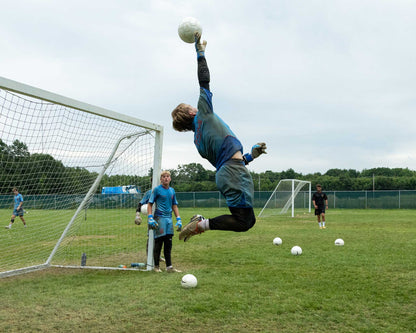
pixel 245 283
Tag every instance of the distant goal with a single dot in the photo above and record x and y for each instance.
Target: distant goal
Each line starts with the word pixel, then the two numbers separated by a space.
pixel 293 194
pixel 59 153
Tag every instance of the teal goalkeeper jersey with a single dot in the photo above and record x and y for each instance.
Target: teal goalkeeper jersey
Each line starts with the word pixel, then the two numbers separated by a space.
pixel 18 198
pixel 164 198
pixel 213 138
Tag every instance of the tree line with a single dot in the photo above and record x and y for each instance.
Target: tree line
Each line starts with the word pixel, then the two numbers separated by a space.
pixel 38 173
pixel 50 176
pixel 193 178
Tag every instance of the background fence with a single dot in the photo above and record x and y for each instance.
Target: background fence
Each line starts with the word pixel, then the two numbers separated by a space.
pixel 405 199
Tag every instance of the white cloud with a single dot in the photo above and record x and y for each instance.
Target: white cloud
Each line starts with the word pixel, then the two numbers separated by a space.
pixel 327 84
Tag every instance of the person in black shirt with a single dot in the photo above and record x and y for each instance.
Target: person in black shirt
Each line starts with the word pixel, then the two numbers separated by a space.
pixel 320 202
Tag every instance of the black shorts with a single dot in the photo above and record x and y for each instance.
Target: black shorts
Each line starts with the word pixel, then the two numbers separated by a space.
pixel 320 210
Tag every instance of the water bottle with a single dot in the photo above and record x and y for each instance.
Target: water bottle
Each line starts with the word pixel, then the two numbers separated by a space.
pixel 138 264
pixel 84 259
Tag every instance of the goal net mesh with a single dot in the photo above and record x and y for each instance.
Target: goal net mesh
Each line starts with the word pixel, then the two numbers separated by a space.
pixel 290 197
pixel 59 158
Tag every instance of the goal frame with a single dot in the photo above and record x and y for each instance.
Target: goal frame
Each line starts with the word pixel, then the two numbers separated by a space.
pixel 291 201
pixel 157 131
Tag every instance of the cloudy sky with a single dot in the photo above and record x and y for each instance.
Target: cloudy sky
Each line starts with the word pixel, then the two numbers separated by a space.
pixel 326 84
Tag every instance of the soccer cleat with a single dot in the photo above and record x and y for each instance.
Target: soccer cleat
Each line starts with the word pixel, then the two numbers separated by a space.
pixel 323 227
pixel 157 270
pixel 172 270
pixel 320 227
pixel 8 227
pixel 191 229
pixel 162 259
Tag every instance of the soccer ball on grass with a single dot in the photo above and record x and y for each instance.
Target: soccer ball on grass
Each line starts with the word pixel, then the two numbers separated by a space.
pixel 339 242
pixel 189 281
pixel 187 29
pixel 296 250
pixel 277 241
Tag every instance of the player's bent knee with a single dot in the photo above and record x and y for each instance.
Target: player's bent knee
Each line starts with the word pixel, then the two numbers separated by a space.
pixel 247 223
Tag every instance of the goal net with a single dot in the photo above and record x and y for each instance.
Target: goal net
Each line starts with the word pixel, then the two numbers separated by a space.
pixel 60 153
pixel 290 194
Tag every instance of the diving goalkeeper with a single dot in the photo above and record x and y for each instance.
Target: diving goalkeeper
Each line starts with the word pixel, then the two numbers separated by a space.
pixel 216 142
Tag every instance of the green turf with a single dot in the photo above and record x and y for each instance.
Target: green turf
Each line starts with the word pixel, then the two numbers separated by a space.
pixel 109 237
pixel 245 283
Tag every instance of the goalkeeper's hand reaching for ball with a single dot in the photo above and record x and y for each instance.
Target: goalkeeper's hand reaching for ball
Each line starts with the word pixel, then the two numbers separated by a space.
pixel 200 46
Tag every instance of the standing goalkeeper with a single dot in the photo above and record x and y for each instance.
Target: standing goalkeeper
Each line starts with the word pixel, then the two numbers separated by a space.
pixel 216 142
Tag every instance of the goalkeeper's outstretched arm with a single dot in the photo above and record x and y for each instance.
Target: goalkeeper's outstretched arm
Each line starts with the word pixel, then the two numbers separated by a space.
pixel 203 71
pixel 256 151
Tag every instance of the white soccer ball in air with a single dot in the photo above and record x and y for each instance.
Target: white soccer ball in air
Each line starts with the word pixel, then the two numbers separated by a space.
pixel 187 29
pixel 189 281
pixel 339 242
pixel 296 250
pixel 277 241
pixel 143 210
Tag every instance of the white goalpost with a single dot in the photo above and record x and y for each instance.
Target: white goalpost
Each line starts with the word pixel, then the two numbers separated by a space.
pixel 60 154
pixel 289 193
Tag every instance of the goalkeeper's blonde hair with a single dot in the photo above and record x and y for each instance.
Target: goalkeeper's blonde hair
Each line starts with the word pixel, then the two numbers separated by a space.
pixel 181 119
pixel 164 172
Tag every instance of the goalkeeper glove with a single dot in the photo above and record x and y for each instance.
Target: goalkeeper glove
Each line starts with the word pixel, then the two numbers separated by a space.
pixel 138 219
pixel 178 223
pixel 256 151
pixel 200 47
pixel 151 222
